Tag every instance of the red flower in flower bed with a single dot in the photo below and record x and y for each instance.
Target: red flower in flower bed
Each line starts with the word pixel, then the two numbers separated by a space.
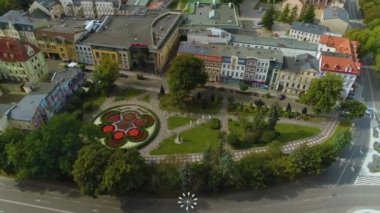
pixel 113 118
pixel 108 128
pixel 118 135
pixel 149 120
pixel 139 122
pixel 108 114
pixel 115 143
pixel 134 132
pixel 144 135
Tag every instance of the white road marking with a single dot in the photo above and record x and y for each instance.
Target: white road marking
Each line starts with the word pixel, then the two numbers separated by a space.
pixel 35 206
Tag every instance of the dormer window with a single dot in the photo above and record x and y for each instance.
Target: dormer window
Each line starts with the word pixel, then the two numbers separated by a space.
pixel 337 67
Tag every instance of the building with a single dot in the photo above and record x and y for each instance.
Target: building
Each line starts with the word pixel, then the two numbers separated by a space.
pixel 330 43
pixel 51 8
pixel 209 36
pixel 72 8
pixel 44 100
pixel 289 47
pixel 339 56
pixel 123 37
pixel 299 4
pixel 58 39
pixel 20 25
pixel 342 65
pixel 235 64
pixel 223 16
pixel 297 74
pixel 21 61
pixel 99 8
pixel 307 32
pixel 336 19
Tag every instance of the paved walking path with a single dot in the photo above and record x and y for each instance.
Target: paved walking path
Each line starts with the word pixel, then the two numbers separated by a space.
pixel 327 128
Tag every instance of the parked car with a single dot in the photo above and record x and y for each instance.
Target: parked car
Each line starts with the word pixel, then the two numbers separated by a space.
pixel 260 24
pixel 260 10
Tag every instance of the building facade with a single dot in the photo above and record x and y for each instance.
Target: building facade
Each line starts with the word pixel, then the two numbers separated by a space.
pixel 235 64
pixel 44 100
pixel 307 32
pixel 21 61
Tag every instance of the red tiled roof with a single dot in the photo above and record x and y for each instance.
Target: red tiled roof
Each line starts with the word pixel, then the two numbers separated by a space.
pixel 14 50
pixel 342 45
pixel 339 64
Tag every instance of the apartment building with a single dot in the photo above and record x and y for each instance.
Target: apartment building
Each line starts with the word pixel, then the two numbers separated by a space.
pixel 21 61
pixel 235 64
pixel 336 19
pixel 307 32
pixel 57 41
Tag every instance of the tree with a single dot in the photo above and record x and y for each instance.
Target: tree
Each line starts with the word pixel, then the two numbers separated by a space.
pixel 126 171
pixel 82 67
pixel 309 15
pixel 259 103
pixel 9 136
pixel 323 93
pixel 89 168
pixel 268 18
pixel 184 74
pixel 284 16
pixel 304 110
pixel 256 129
pixel 355 109
pixel 6 5
pixel 274 116
pixel 186 175
pixel 162 91
pixel 243 87
pixel 48 152
pixel 139 58
pixel 293 14
pixel 106 73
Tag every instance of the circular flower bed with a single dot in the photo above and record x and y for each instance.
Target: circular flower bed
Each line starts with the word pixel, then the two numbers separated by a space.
pixel 126 126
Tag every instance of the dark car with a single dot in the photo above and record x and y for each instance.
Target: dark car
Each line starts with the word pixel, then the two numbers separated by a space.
pixel 282 97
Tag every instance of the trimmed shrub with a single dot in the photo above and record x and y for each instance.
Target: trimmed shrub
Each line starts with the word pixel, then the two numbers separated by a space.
pixel 215 124
pixel 268 136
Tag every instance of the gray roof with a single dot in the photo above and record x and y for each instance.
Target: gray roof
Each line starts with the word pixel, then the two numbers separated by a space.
pixel 16 17
pixel 280 42
pixel 42 88
pixel 309 28
pixel 26 108
pixel 67 25
pixel 223 17
pixel 48 3
pixel 300 62
pixel 69 74
pixel 223 50
pixel 335 12
pixel 4 108
pixel 123 31
pixel 138 2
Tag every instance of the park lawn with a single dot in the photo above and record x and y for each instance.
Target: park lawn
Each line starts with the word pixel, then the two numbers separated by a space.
pixel 341 128
pixel 288 132
pixel 196 140
pixel 176 121
pixel 292 132
pixel 127 93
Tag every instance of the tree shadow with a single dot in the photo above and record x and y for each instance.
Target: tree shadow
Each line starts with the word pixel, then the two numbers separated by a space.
pixel 66 188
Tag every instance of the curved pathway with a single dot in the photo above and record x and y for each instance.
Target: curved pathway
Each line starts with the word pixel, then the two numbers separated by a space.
pixel 327 128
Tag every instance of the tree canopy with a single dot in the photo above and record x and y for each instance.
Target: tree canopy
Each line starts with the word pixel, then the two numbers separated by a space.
pixel 355 109
pixel 309 15
pixel 185 73
pixel 268 18
pixel 323 93
pixel 48 152
pixel 106 73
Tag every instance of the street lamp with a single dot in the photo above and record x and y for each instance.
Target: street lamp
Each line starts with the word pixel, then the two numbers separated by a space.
pixel 187 200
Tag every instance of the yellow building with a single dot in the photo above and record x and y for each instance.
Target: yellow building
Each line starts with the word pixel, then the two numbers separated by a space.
pixel 297 74
pixel 101 53
pixel 57 41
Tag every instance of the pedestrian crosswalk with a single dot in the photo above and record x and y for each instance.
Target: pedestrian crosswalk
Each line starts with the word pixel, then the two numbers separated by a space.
pixel 367 180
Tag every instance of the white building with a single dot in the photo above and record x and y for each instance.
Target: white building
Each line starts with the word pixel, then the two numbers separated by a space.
pixel 307 32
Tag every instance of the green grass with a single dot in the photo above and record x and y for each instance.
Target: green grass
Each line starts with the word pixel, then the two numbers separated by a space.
pixel 145 98
pixel 127 93
pixel 196 140
pixel 194 106
pixel 175 121
pixel 340 129
pixel 292 132
pixel 288 132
